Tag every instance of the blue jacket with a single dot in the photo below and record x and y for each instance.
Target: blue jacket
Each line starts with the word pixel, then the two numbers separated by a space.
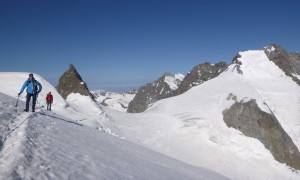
pixel 31 89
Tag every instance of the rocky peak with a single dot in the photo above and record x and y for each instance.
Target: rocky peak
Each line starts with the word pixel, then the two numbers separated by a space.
pixel 288 62
pixel 200 74
pixel 148 94
pixel 71 82
pixel 169 85
pixel 275 51
pixel 295 58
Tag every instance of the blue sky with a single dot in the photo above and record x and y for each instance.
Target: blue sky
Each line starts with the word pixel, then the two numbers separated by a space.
pixel 122 44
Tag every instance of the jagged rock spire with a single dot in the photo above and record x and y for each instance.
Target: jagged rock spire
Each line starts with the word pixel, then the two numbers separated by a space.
pixel 71 82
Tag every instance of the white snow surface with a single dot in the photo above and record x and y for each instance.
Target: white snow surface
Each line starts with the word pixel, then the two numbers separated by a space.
pixel 113 100
pixel 190 127
pixel 47 145
pixel 173 82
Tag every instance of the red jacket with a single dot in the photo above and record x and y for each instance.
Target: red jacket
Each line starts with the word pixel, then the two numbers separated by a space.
pixel 49 97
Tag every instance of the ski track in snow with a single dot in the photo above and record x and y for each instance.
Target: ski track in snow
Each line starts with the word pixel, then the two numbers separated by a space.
pixel 12 133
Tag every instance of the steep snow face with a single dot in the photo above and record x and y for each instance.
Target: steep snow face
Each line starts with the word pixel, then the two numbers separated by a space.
pixel 190 127
pixel 45 145
pixel 257 66
pixel 174 81
pixel 279 92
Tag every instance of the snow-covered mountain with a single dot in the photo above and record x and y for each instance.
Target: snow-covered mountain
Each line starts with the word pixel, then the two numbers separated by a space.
pixel 288 62
pixel 199 74
pixel 162 88
pixel 244 123
pixel 56 145
pixel 113 100
pixel 172 85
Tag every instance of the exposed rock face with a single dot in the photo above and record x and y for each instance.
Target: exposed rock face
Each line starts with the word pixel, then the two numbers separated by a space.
pixel 71 82
pixel 237 64
pixel 288 62
pixel 200 74
pixel 152 92
pixel 251 121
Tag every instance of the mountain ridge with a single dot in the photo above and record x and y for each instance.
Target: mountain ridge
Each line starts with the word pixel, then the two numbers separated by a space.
pixel 231 124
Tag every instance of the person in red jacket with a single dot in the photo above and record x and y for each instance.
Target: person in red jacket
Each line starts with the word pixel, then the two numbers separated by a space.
pixel 49 100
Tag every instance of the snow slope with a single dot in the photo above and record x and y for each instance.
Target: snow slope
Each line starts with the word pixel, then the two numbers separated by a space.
pixel 14 82
pixel 76 107
pixel 45 145
pixel 113 100
pixel 190 127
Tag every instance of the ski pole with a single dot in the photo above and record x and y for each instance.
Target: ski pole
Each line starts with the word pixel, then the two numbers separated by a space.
pixel 17 100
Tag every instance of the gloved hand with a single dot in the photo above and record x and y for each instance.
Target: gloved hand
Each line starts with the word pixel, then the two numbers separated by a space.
pixel 19 94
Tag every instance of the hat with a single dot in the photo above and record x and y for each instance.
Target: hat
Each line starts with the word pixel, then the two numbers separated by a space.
pixel 31 74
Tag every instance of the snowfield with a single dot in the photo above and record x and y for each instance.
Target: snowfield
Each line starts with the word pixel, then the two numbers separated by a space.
pixel 190 127
pixel 77 135
pixel 47 145
pixel 113 100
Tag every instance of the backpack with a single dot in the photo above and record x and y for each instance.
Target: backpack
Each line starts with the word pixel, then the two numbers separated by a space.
pixel 34 85
pixel 49 98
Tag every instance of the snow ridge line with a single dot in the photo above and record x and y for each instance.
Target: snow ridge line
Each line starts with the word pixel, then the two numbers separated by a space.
pixel 68 121
pixel 272 111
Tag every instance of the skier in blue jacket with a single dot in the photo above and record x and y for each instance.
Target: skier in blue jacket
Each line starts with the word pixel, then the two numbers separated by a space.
pixel 33 88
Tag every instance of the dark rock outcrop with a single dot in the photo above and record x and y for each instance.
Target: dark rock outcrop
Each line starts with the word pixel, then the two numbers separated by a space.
pixel 237 64
pixel 288 62
pixel 200 74
pixel 251 121
pixel 71 82
pixel 151 93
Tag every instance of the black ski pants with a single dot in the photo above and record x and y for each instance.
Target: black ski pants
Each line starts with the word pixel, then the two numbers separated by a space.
pixel 28 97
